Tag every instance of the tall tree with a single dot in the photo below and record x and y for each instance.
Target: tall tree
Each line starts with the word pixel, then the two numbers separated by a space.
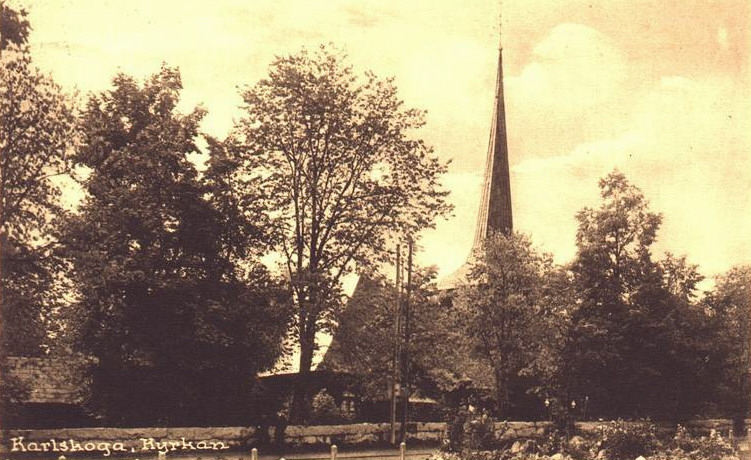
pixel 613 262
pixel 335 160
pixel 502 302
pixel 730 305
pixel 37 133
pixel 690 359
pixel 175 323
pixel 633 334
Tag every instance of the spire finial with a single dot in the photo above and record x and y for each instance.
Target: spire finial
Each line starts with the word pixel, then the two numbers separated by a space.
pixel 500 25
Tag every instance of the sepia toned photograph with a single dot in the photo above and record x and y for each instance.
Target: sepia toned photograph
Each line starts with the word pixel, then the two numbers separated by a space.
pixel 360 229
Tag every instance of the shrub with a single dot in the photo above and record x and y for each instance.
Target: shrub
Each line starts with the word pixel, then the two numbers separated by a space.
pixel 470 430
pixel 713 447
pixel 455 431
pixel 552 442
pixel 627 440
pixel 324 410
pixel 479 432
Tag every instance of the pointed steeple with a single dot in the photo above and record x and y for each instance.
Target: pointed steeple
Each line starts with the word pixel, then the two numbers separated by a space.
pixel 495 203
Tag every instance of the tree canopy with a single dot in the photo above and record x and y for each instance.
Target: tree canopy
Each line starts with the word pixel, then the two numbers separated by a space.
pixel 502 304
pixel 334 160
pixel 37 137
pixel 175 323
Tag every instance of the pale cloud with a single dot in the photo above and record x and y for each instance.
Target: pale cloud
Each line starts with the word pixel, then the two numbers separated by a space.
pixel 683 147
pixel 582 66
pixel 574 79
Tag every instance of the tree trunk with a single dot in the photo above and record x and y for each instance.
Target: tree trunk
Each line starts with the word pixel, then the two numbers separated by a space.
pixel 500 393
pixel 300 410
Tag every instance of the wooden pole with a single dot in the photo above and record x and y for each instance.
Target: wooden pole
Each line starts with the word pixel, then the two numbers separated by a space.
pixel 395 358
pixel 405 346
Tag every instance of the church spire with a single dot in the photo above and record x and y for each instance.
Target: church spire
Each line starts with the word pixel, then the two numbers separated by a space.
pixel 495 205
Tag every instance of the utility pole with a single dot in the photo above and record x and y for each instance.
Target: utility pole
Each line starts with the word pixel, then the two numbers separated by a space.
pixel 395 357
pixel 2 222
pixel 405 345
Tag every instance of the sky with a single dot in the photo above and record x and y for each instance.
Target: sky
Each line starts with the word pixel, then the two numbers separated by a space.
pixel 658 89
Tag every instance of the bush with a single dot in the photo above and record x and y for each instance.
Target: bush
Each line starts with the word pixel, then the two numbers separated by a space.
pixel 619 440
pixel 455 431
pixel 552 442
pixel 470 430
pixel 479 432
pixel 713 447
pixel 325 411
pixel 627 440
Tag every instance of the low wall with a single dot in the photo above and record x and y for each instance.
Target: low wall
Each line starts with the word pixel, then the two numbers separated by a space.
pixel 698 427
pixel 135 440
pixel 359 434
pixel 144 440
pixel 508 431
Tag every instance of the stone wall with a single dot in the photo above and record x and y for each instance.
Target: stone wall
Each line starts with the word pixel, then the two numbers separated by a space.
pixel 237 438
pixel 508 431
pixel 698 427
pixel 360 434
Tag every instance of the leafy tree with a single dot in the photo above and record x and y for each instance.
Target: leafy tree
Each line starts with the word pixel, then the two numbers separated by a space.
pixel 636 331
pixel 730 307
pixel 37 133
pixel 680 278
pixel 334 159
pixel 682 333
pixel 365 338
pixel 502 302
pixel 177 325
pixel 547 367
pixel 14 26
pixel 614 242
pixel 613 263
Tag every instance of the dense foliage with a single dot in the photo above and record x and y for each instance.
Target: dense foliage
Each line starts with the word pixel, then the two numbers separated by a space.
pixel 639 344
pixel 616 333
pixel 503 307
pixel 615 440
pixel 37 134
pixel 175 321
